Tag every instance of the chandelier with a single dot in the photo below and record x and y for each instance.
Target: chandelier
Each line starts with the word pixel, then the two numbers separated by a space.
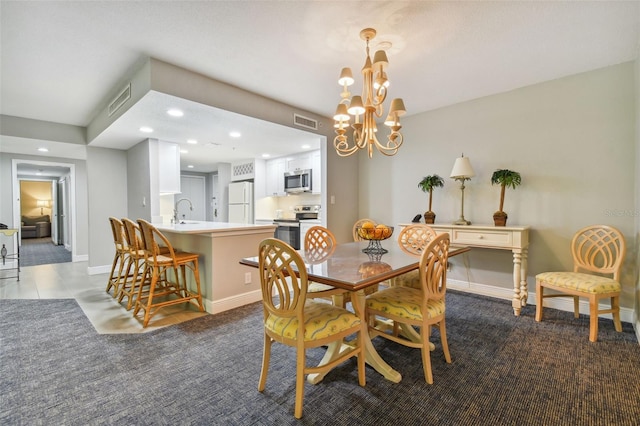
pixel 366 108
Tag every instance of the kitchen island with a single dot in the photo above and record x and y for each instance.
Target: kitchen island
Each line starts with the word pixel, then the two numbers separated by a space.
pixel 224 282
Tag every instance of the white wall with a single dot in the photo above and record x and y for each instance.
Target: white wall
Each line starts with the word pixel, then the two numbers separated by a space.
pixel 572 140
pixel 107 180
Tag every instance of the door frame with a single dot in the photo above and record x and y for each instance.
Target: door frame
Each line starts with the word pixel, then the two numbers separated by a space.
pixel 72 194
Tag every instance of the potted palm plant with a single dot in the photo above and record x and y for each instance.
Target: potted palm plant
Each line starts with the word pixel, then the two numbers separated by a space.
pixel 505 178
pixel 427 184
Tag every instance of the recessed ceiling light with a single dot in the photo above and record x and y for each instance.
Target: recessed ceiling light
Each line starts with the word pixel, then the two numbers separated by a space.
pixel 235 134
pixel 190 166
pixel 146 129
pixel 184 151
pixel 266 155
pixel 192 141
pixel 306 146
pixel 43 150
pixel 38 174
pixel 175 112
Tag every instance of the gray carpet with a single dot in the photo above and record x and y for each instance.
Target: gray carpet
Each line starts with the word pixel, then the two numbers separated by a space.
pixel 56 370
pixel 41 251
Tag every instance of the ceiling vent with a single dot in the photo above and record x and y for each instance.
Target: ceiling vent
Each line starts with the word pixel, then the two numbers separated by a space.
pixel 305 122
pixel 120 100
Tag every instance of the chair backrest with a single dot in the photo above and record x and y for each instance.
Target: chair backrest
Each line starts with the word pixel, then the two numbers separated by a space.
pixel 358 224
pixel 132 234
pixel 414 238
pixel 600 249
pixel 117 229
pixel 319 244
pixel 319 237
pixel 150 245
pixel 283 292
pixel 433 267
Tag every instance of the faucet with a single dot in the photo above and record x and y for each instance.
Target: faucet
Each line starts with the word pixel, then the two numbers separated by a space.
pixel 175 208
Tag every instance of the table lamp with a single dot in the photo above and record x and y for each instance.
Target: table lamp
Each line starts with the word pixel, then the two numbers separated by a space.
pixel 462 171
pixel 42 204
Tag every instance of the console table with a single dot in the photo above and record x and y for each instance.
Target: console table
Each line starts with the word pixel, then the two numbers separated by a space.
pixel 11 256
pixel 514 238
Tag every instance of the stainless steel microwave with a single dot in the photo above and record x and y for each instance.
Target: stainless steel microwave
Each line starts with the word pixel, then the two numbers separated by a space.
pixel 297 181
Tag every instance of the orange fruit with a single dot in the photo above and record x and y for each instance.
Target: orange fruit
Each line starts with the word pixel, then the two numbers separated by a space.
pixel 368 225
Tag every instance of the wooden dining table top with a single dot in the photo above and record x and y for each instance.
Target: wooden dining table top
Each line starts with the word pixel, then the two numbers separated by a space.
pixel 348 267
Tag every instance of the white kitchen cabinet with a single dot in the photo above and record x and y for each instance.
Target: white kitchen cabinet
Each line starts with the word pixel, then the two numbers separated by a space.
pixel 275 177
pixel 168 168
pixel 316 172
pixel 299 162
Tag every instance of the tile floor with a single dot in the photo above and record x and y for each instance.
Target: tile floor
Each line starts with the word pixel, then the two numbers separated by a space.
pixel 71 281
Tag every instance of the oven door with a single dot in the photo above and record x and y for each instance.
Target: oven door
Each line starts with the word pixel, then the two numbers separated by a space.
pixel 289 233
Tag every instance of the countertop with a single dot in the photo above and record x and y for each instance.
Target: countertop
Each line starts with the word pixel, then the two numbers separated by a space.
pixel 199 227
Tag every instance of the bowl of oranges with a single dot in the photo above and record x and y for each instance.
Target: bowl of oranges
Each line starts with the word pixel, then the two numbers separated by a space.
pixel 371 231
pixel 374 234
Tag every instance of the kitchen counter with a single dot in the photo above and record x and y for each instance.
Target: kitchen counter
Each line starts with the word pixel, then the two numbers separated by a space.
pixel 225 283
pixel 200 227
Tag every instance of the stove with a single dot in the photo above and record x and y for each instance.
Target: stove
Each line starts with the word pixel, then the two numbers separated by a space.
pixel 288 230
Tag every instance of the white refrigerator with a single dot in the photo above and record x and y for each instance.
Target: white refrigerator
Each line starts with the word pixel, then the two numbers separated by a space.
pixel 241 202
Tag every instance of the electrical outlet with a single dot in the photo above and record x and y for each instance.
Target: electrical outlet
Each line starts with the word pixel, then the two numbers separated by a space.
pixel 247 277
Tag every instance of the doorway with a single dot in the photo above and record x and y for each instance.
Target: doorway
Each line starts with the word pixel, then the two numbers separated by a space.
pixel 59 206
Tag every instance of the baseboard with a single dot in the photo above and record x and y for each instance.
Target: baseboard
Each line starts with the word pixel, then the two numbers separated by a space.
pixel 96 270
pixel 80 258
pixel 217 306
pixel 560 303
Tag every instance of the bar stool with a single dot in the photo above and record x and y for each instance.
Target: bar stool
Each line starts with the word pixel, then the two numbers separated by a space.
pixel 135 276
pixel 120 258
pixel 163 292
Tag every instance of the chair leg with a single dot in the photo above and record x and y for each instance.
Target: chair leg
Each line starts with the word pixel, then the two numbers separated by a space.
pixel 445 344
pixel 300 365
pixel 110 282
pixel 539 300
pixel 266 356
pixel 615 311
pixel 576 307
pixel 593 319
pixel 426 354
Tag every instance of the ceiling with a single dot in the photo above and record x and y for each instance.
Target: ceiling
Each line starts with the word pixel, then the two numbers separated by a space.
pixel 62 60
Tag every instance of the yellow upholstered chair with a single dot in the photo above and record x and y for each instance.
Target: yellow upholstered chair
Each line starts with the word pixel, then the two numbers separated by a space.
pixel 120 258
pixel 318 244
pixel 357 225
pixel 413 239
pixel 598 253
pixel 291 319
pixel 422 308
pixel 158 263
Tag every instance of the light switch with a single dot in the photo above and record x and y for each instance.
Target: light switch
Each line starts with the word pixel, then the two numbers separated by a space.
pixel 333 199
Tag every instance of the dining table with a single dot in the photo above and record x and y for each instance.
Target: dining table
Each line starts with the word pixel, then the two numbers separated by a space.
pixel 354 267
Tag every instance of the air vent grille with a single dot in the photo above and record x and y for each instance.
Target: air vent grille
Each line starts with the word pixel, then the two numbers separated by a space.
pixel 243 169
pixel 120 100
pixel 306 122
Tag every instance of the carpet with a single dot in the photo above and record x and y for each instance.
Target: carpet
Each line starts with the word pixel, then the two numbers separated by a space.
pixel 506 370
pixel 41 251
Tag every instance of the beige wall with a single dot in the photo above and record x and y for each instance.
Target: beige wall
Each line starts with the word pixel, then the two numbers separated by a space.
pixel 572 140
pixel 32 191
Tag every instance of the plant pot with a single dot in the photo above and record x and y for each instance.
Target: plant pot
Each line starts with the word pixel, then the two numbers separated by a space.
pixel 500 218
pixel 429 217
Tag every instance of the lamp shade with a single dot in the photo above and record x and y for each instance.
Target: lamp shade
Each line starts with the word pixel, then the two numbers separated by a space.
pixel 346 77
pixel 462 168
pixel 42 203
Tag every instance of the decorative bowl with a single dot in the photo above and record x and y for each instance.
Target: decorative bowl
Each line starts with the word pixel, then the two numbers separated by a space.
pixel 379 234
pixel 374 236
